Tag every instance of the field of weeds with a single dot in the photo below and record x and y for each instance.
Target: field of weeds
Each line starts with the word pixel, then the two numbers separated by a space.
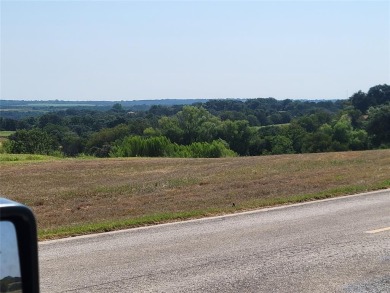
pixel 79 196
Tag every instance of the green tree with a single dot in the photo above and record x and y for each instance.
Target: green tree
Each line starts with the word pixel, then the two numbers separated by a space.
pixel 379 95
pixel 98 143
pixel 342 133
pixel 33 141
pixel 192 124
pixel 281 145
pixel 359 140
pixel 319 141
pixel 297 135
pixel 257 145
pixel 376 96
pixel 378 125
pixel 118 108
pixel 360 101
pixel 191 120
pixel 71 144
pixel 169 127
pixel 237 134
pixel 50 118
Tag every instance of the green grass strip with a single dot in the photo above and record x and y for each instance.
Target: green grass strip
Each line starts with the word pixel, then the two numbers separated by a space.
pixel 25 158
pixel 5 133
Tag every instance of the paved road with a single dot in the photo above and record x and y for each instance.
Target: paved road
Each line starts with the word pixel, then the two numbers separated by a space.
pixel 313 247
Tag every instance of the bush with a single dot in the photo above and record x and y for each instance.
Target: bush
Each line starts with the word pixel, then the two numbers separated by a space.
pixel 33 141
pixel 215 149
pixel 136 146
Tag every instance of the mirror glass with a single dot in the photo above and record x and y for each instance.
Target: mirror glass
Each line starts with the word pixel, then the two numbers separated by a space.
pixel 10 276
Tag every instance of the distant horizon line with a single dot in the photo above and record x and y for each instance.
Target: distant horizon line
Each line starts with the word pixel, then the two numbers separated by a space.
pixel 172 99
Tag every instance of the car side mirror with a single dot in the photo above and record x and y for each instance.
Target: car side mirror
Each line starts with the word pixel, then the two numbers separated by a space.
pixel 18 248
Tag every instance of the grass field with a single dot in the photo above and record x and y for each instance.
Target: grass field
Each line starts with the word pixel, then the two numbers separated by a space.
pixel 6 133
pixel 24 157
pixel 80 196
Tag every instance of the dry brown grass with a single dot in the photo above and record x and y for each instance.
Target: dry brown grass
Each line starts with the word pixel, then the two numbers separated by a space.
pixel 74 191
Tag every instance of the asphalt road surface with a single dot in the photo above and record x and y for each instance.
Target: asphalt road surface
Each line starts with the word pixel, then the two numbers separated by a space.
pixel 338 245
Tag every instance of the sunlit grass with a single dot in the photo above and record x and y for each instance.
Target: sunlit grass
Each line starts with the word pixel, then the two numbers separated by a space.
pixel 25 157
pixel 5 133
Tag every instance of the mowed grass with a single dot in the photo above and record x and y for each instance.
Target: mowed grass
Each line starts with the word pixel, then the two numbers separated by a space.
pixel 80 196
pixel 23 158
pixel 6 133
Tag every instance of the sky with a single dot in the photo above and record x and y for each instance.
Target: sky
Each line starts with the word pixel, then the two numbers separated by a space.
pixel 132 50
pixel 9 255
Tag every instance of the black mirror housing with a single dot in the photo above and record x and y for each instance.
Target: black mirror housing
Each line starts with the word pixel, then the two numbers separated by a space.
pixel 26 233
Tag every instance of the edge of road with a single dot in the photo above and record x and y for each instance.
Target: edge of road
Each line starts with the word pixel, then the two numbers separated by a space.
pixel 260 210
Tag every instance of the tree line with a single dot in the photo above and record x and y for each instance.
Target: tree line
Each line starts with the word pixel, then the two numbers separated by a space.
pixel 216 128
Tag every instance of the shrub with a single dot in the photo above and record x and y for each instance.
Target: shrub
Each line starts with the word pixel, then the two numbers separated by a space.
pixel 33 141
pixel 136 146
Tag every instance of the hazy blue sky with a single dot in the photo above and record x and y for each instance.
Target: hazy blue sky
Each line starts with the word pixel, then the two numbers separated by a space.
pixel 128 50
pixel 9 254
